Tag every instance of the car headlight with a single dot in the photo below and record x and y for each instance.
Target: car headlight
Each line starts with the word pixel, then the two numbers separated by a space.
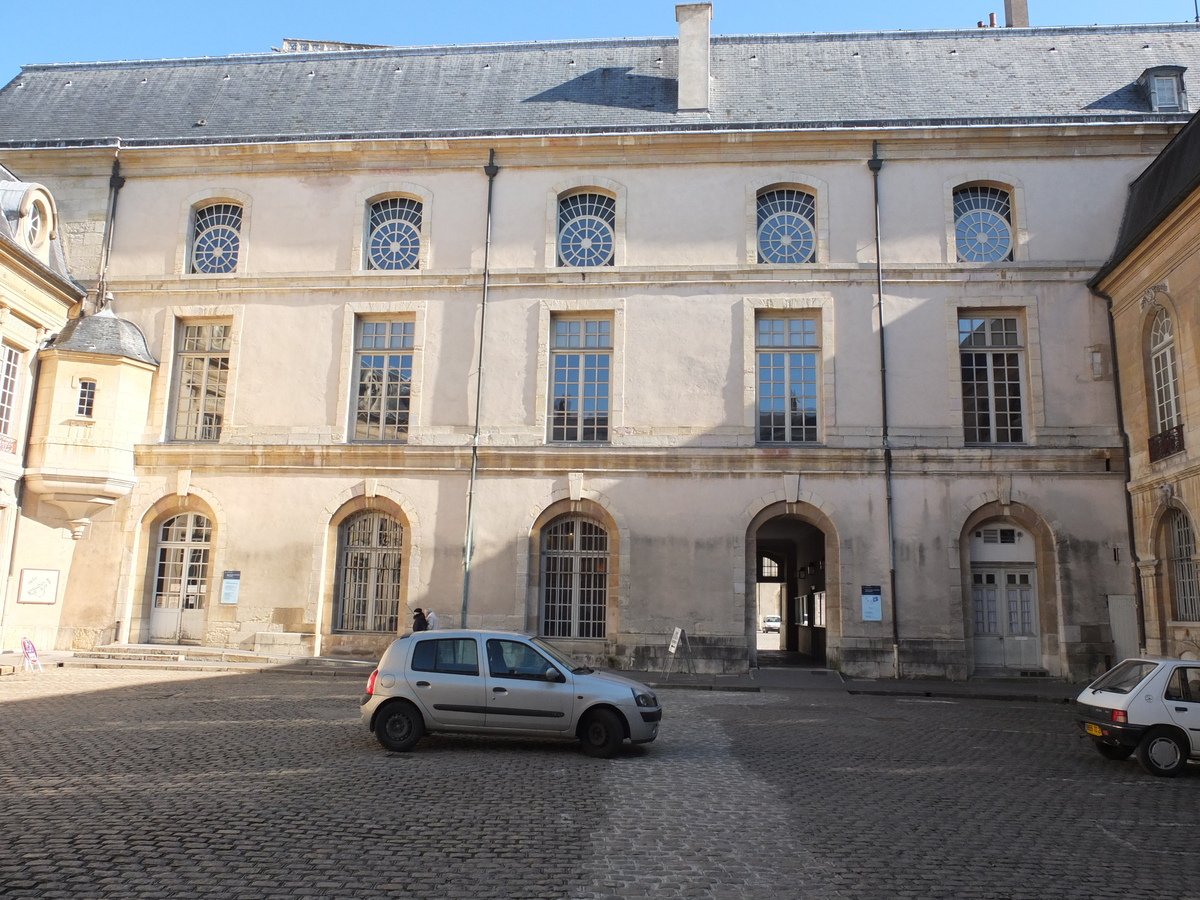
pixel 642 698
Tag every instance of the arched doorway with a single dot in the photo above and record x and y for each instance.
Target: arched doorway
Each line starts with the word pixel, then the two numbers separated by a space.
pixel 789 564
pixel 369 584
pixel 1005 612
pixel 181 579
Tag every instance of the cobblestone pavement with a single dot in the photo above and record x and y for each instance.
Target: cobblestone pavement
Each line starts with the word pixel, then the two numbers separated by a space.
pixel 137 785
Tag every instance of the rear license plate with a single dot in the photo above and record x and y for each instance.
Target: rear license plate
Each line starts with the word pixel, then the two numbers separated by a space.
pixel 1093 729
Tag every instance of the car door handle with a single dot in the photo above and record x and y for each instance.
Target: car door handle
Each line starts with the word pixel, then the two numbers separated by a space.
pixel 1181 709
pixel 422 684
pixel 499 690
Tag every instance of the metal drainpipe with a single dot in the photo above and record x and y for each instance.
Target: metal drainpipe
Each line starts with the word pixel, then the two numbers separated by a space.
pixel 491 169
pixel 115 183
pixel 875 164
pixel 1134 559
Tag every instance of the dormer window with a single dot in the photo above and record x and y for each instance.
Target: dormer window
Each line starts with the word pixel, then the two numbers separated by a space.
pixel 1163 86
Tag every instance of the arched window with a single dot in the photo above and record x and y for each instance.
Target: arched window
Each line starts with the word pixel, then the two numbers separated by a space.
pixel 586 230
pixel 983 229
pixel 574 579
pixel 786 226
pixel 394 234
pixel 216 239
pixel 370 547
pixel 1181 566
pixel 1162 368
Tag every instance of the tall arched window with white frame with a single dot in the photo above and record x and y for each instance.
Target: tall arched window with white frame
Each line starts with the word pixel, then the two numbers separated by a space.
pixel 1163 372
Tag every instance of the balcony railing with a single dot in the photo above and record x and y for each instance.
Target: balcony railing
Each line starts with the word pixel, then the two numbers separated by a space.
pixel 1166 443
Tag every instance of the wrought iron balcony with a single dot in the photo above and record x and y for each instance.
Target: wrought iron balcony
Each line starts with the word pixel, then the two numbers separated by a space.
pixel 1166 443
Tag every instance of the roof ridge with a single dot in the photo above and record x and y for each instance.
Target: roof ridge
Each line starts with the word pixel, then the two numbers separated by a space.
pixel 385 51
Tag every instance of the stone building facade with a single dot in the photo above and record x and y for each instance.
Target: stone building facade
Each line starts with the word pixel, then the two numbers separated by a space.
pixel 600 339
pixel 1152 280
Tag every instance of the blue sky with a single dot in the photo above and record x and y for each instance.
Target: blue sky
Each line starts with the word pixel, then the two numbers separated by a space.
pixel 84 30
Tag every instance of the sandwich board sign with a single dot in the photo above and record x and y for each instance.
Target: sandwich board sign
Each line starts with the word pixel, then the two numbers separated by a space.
pixel 31 657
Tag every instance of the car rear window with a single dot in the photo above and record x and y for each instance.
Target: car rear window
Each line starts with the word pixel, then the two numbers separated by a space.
pixel 1124 677
pixel 455 656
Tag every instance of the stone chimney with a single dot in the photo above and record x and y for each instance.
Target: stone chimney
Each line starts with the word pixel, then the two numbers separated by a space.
pixel 693 19
pixel 1016 13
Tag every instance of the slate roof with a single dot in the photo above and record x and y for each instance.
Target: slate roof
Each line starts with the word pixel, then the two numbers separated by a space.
pixel 103 333
pixel 977 76
pixel 1164 185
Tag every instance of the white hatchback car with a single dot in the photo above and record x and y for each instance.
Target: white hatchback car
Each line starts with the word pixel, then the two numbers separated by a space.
pixel 1150 707
pixel 433 681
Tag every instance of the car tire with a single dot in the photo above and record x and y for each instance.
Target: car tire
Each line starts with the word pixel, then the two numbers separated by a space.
pixel 398 726
pixel 1162 752
pixel 601 733
pixel 1113 751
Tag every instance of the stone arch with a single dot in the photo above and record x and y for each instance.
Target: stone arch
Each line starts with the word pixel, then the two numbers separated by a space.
pixel 812 509
pixel 1016 508
pixel 135 564
pixel 561 502
pixel 368 494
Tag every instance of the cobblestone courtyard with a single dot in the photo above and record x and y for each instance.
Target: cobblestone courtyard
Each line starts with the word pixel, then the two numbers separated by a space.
pixel 132 784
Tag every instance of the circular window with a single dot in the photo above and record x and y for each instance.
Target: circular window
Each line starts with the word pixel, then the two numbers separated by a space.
pixel 785 227
pixel 217 249
pixel 586 230
pixel 394 241
pixel 983 236
pixel 35 225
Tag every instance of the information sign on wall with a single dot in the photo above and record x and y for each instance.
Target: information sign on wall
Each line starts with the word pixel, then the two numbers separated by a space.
pixel 231 585
pixel 872 603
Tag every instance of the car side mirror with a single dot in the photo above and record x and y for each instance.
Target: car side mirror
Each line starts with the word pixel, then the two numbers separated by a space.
pixel 552 674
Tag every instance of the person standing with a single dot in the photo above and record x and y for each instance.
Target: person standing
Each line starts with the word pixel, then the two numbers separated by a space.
pixel 432 619
pixel 420 623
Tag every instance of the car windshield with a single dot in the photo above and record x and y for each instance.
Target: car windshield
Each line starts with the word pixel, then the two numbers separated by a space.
pixel 559 657
pixel 1124 677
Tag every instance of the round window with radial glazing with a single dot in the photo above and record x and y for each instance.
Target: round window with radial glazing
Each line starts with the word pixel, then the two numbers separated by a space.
pixel 586 230
pixel 983 224
pixel 785 227
pixel 217 239
pixel 394 234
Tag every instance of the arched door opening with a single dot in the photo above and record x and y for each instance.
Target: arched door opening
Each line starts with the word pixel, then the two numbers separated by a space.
pixel 789 576
pixel 1005 614
pixel 181 576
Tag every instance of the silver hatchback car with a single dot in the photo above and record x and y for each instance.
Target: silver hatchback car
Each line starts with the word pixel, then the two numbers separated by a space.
pixel 434 681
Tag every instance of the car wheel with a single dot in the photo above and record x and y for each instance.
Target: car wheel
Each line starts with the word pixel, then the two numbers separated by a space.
pixel 601 733
pixel 1162 752
pixel 398 726
pixel 1111 751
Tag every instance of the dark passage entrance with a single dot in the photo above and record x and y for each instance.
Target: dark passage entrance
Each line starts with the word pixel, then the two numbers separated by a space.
pixel 790 584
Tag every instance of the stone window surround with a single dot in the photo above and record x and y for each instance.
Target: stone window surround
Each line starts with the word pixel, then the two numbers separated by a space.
pixel 820 306
pixel 799 181
pixel 161 420
pixel 197 201
pixel 1025 309
pixel 580 185
pixel 547 310
pixel 347 373
pixel 382 191
pixel 1016 197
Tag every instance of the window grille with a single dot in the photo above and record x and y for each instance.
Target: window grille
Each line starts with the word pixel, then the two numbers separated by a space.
pixel 216 239
pixel 1183 567
pixel 394 234
pixel 586 230
pixel 574 579
pixel 369 574
pixel 983 224
pixel 383 366
pixel 786 226
pixel 991 362
pixel 788 377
